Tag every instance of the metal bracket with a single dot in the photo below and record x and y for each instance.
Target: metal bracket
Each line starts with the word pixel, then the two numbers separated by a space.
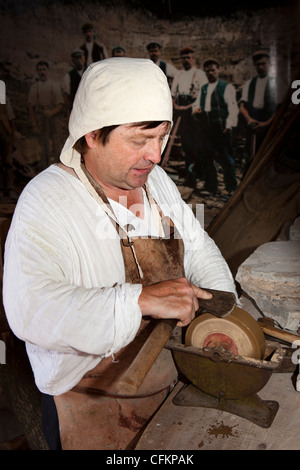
pixel 253 408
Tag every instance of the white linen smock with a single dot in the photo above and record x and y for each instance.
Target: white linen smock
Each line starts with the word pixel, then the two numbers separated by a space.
pixel 64 286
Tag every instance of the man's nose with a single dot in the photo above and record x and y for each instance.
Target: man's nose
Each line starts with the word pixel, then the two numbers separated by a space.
pixel 153 151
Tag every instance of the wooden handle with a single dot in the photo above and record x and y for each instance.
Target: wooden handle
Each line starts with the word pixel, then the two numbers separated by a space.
pixel 279 334
pixel 139 368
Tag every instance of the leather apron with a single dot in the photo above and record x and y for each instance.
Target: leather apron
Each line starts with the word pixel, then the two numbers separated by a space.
pixel 93 416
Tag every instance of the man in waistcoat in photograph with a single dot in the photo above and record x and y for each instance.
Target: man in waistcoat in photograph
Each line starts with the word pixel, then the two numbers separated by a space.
pixel 72 78
pixel 154 51
pixel 92 50
pixel 217 109
pixel 260 98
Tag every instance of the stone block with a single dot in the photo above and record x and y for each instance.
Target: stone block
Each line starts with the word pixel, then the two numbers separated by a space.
pixel 271 277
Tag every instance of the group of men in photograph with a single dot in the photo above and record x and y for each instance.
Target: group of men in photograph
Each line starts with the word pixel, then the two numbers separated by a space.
pixel 206 108
pixel 209 110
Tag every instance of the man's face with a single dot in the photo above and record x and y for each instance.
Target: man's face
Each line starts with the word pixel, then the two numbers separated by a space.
pixel 262 67
pixel 119 53
pixel 187 60
pixel 78 62
pixel 212 73
pixel 42 71
pixel 154 53
pixel 89 35
pixel 127 158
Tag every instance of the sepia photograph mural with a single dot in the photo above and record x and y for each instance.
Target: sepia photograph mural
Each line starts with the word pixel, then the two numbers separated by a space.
pixel 229 69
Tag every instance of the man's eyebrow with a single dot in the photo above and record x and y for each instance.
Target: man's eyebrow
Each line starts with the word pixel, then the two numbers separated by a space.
pixel 147 135
pixel 147 131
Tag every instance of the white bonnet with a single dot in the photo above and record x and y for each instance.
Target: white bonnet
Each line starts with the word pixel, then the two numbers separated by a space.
pixel 117 91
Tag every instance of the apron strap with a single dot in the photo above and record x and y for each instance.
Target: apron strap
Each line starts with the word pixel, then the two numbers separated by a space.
pixel 97 192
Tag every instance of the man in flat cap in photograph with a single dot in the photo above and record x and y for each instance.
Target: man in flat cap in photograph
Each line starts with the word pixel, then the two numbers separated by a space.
pixel 72 78
pixel 217 111
pixel 46 113
pixel 261 96
pixel 154 49
pixel 118 51
pixel 185 87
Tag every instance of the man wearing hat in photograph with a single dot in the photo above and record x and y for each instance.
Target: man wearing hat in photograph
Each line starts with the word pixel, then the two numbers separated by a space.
pixel 92 50
pixel 72 78
pixel 46 113
pixel 260 98
pixel 154 50
pixel 217 111
pixel 99 246
pixel 118 51
pixel 185 87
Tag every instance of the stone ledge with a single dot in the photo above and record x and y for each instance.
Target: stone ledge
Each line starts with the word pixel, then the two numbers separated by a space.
pixel 271 277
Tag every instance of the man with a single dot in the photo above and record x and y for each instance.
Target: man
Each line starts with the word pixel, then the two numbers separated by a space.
pixel 154 51
pixel 92 51
pixel 7 179
pixel 260 98
pixel 45 109
pixel 7 137
pixel 218 111
pixel 118 51
pixel 72 78
pixel 185 88
pixel 88 264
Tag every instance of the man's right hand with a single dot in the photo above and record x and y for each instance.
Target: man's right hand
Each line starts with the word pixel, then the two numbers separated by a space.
pixel 176 299
pixel 252 123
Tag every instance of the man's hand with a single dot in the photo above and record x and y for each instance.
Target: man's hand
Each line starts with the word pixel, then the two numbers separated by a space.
pixel 252 123
pixel 172 299
pixel 261 126
pixel 179 108
pixel 197 111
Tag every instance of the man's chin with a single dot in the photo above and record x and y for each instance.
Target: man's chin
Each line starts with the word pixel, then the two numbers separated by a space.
pixel 138 182
pixel 141 173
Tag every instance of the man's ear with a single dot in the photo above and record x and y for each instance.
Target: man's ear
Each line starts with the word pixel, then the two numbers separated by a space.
pixel 91 139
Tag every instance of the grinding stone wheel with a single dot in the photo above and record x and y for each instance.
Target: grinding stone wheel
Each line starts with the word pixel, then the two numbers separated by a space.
pixel 238 333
